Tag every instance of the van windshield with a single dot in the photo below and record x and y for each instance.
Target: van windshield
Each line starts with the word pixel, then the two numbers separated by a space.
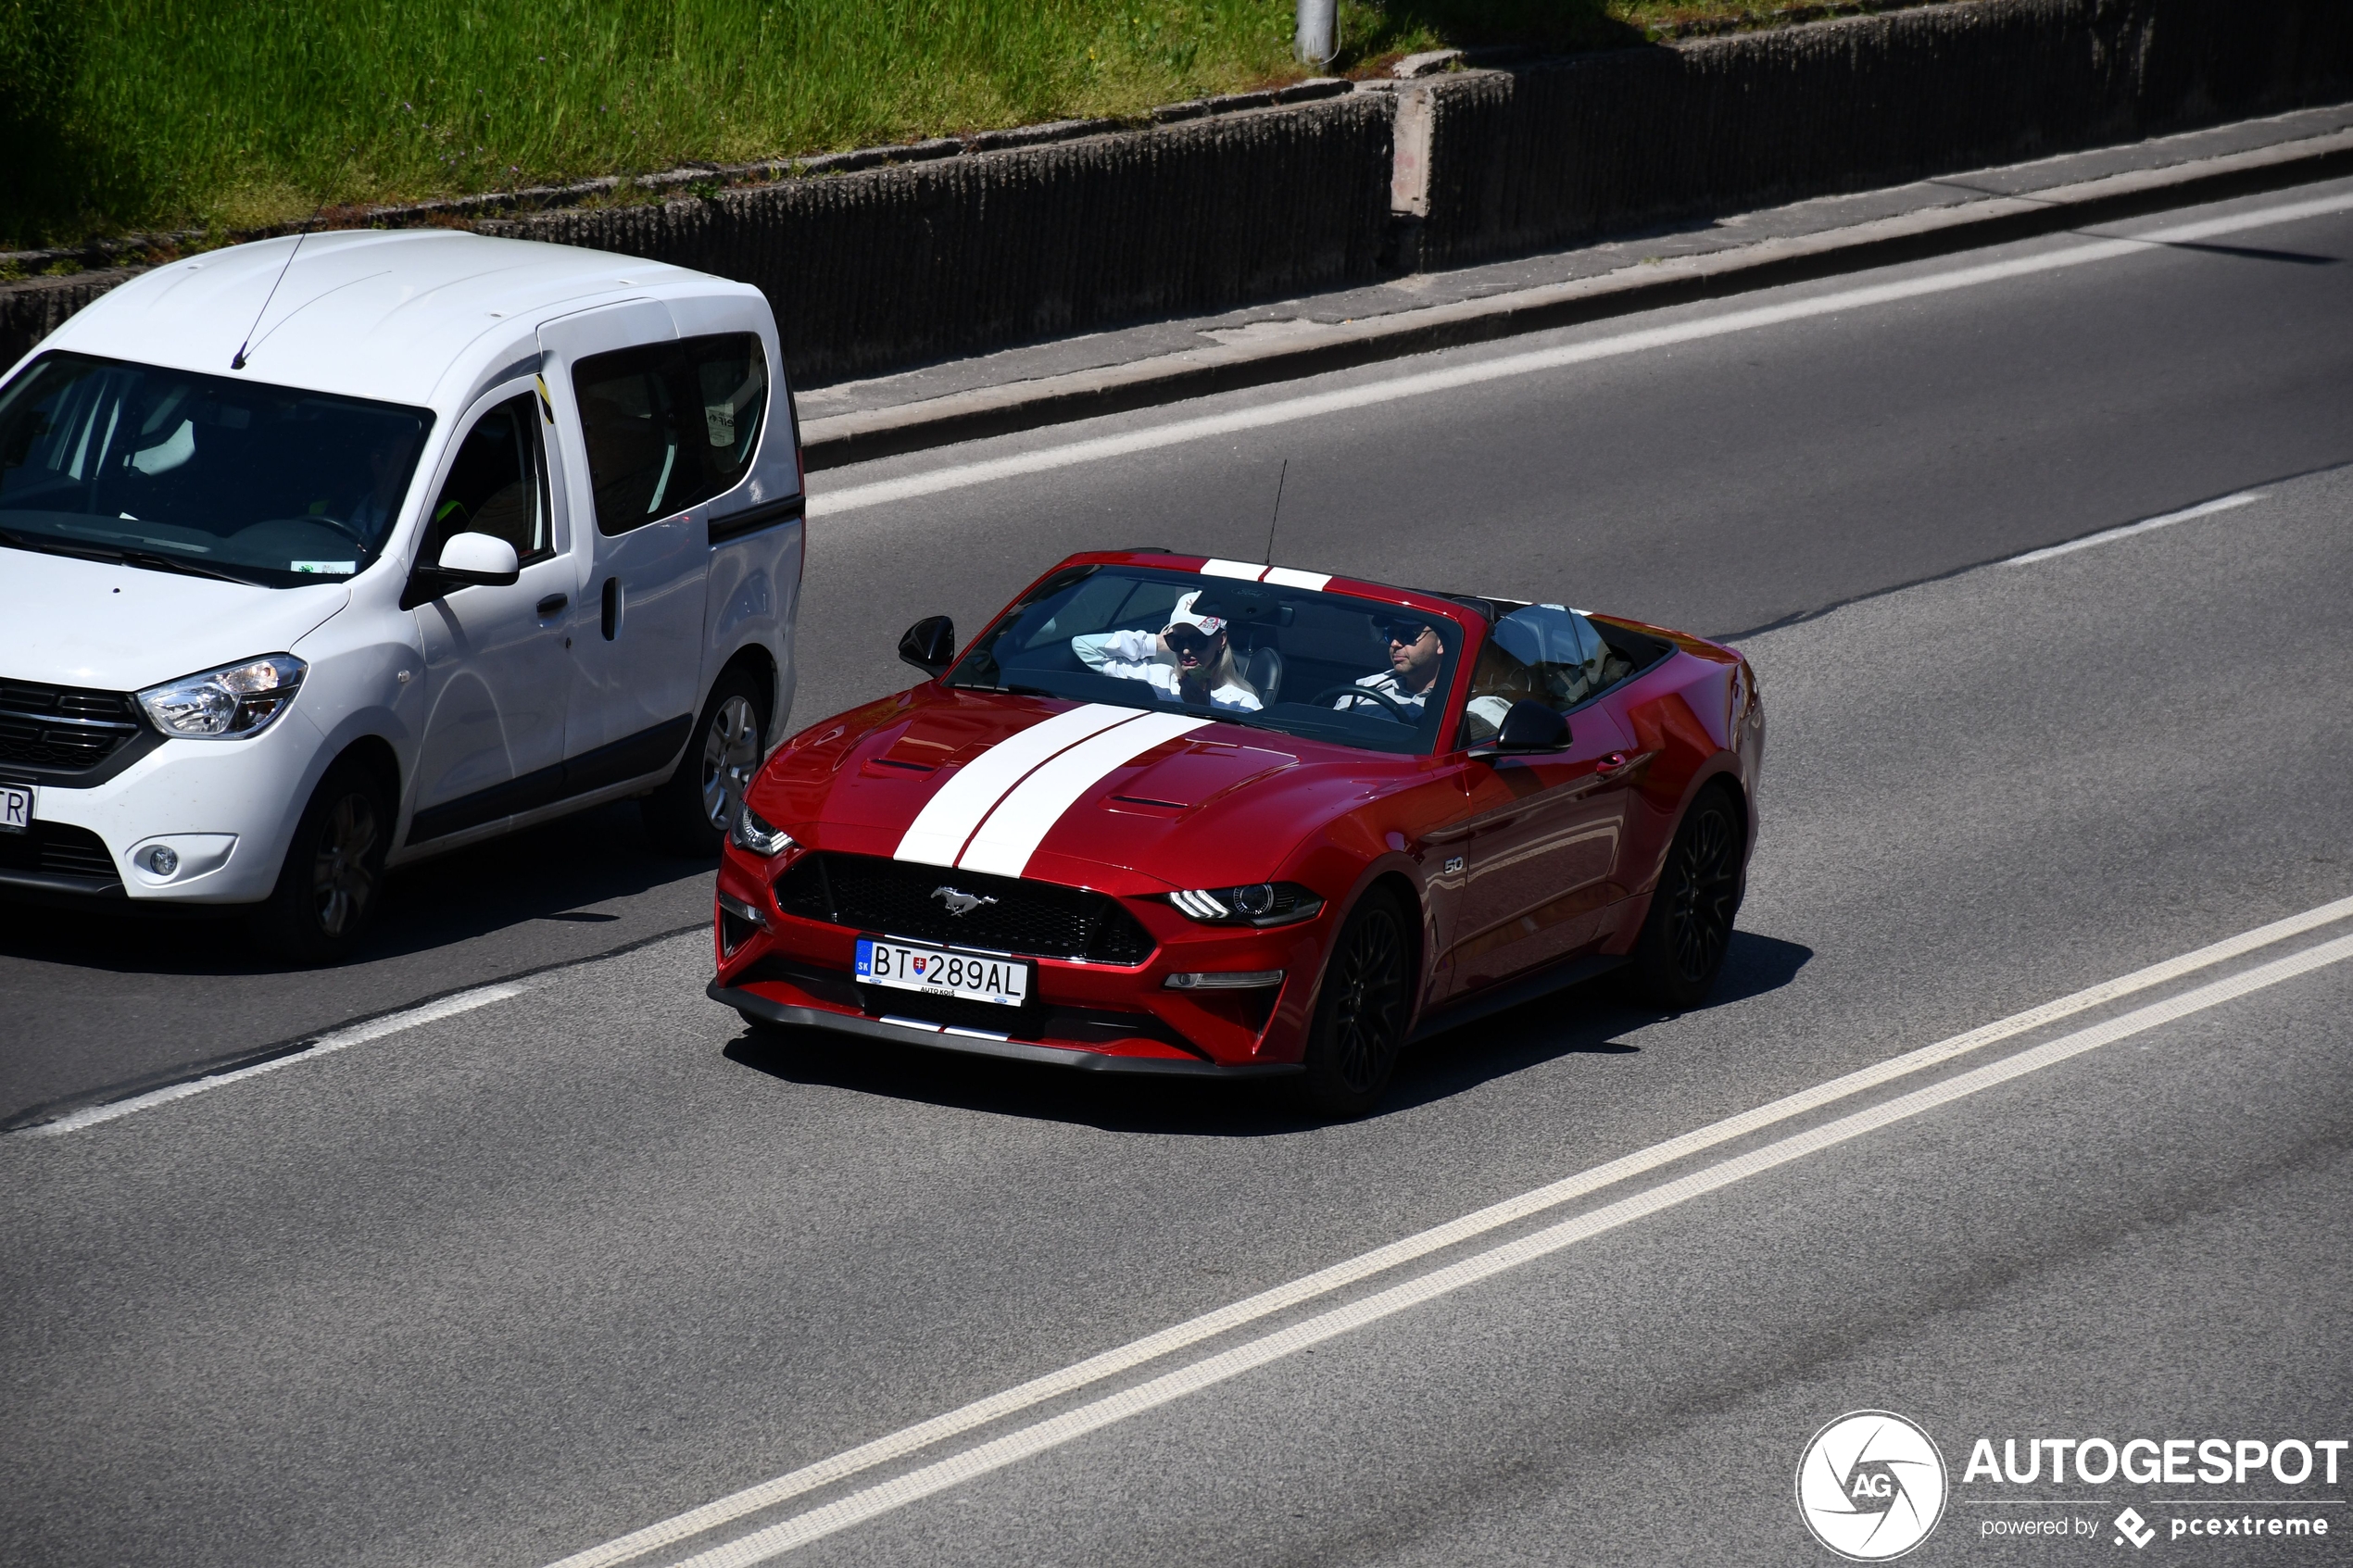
pixel 179 472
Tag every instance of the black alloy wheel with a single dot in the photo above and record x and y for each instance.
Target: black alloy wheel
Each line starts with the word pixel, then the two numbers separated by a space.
pixel 1690 924
pixel 330 885
pixel 1362 1016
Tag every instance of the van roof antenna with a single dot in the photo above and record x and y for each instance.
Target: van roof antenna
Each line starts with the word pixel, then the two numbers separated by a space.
pixel 1278 511
pixel 237 360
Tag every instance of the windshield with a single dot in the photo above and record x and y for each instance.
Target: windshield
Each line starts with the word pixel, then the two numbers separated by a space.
pixel 179 472
pixel 1322 665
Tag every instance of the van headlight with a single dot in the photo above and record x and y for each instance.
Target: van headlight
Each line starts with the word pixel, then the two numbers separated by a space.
pixel 234 702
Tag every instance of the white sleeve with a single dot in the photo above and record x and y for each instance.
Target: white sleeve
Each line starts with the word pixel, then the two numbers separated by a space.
pixel 1126 653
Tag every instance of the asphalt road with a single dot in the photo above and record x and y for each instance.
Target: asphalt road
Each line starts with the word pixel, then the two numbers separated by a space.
pixel 506 1286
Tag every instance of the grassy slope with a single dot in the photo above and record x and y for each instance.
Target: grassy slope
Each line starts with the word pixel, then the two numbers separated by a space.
pixel 131 114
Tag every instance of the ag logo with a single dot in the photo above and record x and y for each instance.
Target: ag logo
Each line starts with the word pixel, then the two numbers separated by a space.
pixel 1872 1486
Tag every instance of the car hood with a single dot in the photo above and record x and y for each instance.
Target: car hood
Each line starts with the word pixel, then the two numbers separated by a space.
pixel 1113 797
pixel 75 622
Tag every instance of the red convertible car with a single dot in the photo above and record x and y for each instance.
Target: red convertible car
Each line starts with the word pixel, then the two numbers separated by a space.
pixel 1170 814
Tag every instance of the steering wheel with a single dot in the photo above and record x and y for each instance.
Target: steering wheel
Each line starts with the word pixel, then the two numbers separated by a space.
pixel 346 530
pixel 1405 714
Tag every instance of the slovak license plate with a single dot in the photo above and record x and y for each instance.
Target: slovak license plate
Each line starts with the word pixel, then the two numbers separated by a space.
pixel 978 977
pixel 16 808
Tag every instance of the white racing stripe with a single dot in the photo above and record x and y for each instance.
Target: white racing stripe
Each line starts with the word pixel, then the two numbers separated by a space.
pixel 1125 1357
pixel 1030 809
pixel 941 829
pixel 340 1039
pixel 2228 503
pixel 777 1539
pixel 825 502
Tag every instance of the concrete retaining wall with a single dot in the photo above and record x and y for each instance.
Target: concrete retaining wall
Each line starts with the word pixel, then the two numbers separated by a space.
pixel 981 245
pixel 1557 151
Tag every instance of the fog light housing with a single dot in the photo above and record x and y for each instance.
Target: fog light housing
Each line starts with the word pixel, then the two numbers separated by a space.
pixel 1225 980
pixel 163 860
pixel 738 923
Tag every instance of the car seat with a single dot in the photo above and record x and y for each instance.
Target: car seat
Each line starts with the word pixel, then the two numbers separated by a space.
pixel 1264 669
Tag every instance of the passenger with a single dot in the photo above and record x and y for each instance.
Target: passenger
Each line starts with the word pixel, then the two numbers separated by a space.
pixel 1417 649
pixel 1188 659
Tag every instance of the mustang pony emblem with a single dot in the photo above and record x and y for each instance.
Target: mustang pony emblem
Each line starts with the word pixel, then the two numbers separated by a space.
pixel 960 902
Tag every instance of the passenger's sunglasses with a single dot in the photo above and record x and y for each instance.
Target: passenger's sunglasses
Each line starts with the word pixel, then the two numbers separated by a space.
pixel 1188 639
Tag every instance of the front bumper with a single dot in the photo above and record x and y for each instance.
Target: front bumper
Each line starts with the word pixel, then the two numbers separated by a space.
pixel 949 1039
pixel 1093 1014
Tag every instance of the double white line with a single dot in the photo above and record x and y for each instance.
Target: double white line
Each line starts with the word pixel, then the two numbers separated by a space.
pixel 884 1496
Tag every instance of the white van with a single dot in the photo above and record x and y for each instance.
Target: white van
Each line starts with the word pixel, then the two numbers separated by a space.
pixel 322 554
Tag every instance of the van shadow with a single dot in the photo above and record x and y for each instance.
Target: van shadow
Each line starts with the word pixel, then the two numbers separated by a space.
pixel 543 873
pixel 1582 1019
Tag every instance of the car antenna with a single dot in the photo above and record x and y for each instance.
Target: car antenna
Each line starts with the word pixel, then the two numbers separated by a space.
pixel 1279 511
pixel 237 360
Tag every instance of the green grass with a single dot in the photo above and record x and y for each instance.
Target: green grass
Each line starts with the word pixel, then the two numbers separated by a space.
pixel 125 115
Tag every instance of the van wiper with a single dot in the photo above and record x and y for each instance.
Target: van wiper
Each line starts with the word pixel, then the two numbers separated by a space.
pixel 117 555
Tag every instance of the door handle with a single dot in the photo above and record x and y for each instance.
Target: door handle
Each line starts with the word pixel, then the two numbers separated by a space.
pixel 1616 761
pixel 611 608
pixel 553 603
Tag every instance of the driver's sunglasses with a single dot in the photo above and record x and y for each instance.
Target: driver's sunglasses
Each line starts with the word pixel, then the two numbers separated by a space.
pixel 1406 636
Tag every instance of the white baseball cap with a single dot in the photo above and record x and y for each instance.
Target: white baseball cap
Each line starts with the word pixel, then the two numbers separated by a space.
pixel 1208 625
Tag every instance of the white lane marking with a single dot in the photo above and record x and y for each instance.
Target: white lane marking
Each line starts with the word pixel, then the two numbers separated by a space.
pixel 2244 499
pixel 1030 809
pixel 908 487
pixel 941 829
pixel 340 1039
pixel 781 1538
pixel 1126 1358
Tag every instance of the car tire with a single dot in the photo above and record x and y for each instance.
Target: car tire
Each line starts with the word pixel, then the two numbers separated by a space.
pixel 1362 1013
pixel 333 879
pixel 690 814
pixel 1688 928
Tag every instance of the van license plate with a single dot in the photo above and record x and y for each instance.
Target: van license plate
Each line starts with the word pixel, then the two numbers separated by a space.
pixel 978 977
pixel 16 808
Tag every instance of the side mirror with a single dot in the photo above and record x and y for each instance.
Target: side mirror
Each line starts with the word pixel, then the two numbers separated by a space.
pixel 468 560
pixel 929 644
pixel 1528 727
pixel 479 559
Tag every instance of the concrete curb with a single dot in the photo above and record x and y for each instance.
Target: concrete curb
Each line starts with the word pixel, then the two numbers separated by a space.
pixel 842 439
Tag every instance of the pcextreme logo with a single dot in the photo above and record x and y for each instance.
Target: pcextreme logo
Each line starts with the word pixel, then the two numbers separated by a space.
pixel 1870 1485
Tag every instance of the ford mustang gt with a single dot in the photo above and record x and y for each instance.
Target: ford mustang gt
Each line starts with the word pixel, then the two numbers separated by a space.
pixel 1169 814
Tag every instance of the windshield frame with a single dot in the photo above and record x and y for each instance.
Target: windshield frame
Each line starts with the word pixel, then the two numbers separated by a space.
pixel 82 534
pixel 1445 699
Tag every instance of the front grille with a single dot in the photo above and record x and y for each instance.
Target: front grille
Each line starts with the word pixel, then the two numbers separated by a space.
pixel 62 727
pixel 894 897
pixel 58 848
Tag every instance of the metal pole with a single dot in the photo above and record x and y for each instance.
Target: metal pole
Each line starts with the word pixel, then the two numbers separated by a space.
pixel 1318 36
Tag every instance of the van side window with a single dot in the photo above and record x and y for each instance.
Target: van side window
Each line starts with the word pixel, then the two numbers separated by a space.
pixel 670 424
pixel 497 486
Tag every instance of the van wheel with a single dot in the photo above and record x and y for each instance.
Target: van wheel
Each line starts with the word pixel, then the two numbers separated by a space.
pixel 690 814
pixel 331 883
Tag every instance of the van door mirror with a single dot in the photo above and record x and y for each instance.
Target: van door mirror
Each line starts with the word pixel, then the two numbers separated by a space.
pixel 479 559
pixel 929 644
pixel 468 560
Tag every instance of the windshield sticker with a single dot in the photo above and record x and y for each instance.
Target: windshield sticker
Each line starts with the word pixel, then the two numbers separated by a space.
pixel 342 568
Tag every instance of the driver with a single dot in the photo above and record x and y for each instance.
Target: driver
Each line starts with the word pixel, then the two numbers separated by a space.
pixel 1189 658
pixel 1417 648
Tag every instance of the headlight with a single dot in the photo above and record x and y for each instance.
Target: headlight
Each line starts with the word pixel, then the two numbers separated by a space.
pixel 752 833
pixel 1258 903
pixel 234 702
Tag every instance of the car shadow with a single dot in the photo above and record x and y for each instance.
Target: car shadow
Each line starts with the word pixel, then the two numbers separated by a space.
pixel 1530 1034
pixel 543 873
